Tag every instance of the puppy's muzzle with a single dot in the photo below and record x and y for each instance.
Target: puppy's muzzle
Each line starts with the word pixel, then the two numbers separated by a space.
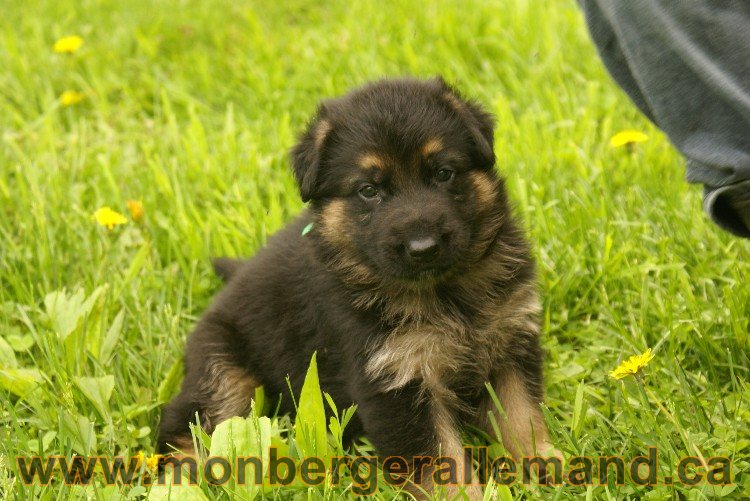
pixel 422 244
pixel 423 250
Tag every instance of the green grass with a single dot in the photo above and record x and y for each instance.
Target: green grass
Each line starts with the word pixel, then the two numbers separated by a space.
pixel 191 106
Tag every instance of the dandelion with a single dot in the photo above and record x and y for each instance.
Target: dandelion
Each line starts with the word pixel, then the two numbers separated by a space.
pixel 627 138
pixel 109 218
pixel 152 462
pixel 135 207
pixel 68 45
pixel 71 97
pixel 633 365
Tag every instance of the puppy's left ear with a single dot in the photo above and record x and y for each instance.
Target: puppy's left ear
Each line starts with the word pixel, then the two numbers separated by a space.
pixel 307 154
pixel 481 124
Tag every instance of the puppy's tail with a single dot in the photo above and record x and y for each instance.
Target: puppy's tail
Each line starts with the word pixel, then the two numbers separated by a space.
pixel 226 267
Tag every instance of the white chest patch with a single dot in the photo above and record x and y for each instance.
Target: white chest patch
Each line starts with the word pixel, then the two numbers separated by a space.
pixel 436 351
pixel 424 352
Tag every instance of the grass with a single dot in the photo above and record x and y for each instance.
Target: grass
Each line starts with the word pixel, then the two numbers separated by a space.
pixel 191 106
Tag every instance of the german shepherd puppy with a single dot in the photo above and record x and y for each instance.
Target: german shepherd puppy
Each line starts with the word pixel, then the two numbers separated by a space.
pixel 414 285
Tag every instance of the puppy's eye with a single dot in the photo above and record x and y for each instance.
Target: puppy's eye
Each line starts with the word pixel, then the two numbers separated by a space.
pixel 444 175
pixel 368 191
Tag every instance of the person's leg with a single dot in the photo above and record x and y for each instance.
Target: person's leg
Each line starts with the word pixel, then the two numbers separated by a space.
pixel 731 205
pixel 686 65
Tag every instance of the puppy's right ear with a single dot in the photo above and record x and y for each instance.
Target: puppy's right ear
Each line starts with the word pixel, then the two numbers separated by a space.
pixel 307 154
pixel 479 122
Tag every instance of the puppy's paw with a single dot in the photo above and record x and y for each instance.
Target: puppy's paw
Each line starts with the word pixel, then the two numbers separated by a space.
pixel 549 451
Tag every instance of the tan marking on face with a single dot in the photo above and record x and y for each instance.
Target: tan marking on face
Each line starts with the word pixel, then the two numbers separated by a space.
pixel 334 222
pixel 433 145
pixel 321 132
pixel 484 188
pixel 371 161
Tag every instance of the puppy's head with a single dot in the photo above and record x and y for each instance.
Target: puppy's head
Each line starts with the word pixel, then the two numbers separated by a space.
pixel 400 178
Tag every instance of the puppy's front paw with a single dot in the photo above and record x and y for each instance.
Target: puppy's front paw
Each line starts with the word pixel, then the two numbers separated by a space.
pixel 548 451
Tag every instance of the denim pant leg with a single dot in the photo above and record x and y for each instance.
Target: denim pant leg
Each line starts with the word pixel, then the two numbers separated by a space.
pixel 686 65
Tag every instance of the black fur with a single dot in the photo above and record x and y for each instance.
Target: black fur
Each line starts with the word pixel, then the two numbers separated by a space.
pixel 351 285
pixel 226 267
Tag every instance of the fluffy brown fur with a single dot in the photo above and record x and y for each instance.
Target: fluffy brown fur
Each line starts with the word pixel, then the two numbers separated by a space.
pixel 415 285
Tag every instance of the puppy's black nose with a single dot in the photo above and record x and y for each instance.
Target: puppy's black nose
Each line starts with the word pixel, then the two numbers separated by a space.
pixel 423 249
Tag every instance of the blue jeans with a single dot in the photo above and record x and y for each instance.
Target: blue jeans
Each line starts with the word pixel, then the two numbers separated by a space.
pixel 686 65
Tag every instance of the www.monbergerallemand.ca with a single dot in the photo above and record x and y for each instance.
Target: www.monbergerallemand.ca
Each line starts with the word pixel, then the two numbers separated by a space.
pixel 363 470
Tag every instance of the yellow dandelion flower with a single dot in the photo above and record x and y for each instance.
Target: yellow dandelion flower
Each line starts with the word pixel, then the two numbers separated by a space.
pixel 68 45
pixel 109 218
pixel 152 462
pixel 135 207
pixel 626 138
pixel 632 365
pixel 71 97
